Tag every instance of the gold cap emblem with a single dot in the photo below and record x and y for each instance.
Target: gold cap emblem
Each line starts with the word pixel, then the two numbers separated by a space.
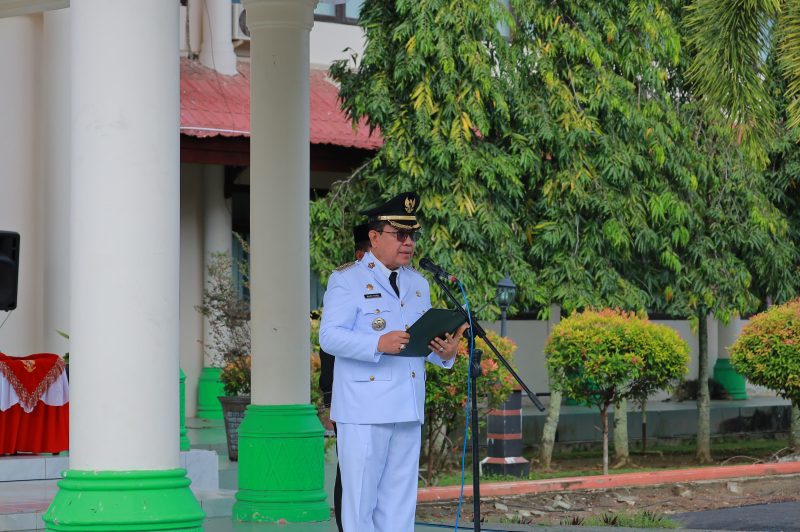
pixel 410 204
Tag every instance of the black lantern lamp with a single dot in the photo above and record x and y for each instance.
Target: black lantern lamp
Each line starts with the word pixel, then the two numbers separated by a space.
pixel 506 293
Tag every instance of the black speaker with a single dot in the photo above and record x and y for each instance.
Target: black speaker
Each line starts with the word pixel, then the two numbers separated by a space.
pixel 9 270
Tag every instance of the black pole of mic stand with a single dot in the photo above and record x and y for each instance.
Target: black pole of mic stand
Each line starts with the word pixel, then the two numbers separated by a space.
pixel 475 372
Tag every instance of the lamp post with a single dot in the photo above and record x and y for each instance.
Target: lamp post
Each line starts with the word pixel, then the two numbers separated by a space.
pixel 504 424
pixel 506 293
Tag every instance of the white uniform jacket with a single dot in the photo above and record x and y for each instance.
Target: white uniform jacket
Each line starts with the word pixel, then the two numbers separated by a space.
pixel 360 305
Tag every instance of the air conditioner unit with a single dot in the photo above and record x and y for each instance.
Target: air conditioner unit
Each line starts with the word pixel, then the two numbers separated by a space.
pixel 239 31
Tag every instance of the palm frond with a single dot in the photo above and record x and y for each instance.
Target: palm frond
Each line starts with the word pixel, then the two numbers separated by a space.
pixel 730 41
pixel 789 58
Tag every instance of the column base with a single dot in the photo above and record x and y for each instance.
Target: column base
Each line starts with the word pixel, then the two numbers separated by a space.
pixel 733 382
pixel 124 501
pixel 514 466
pixel 281 466
pixel 209 388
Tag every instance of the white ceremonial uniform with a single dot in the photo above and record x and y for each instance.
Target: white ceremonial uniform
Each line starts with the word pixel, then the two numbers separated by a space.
pixel 378 400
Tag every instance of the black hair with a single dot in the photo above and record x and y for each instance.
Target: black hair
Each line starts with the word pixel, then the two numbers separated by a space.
pixel 377 225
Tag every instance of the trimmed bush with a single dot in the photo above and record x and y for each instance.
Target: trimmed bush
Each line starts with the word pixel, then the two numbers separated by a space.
pixel 600 357
pixel 767 351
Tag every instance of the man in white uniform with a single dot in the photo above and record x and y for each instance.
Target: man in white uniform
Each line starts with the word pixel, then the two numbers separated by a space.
pixel 378 399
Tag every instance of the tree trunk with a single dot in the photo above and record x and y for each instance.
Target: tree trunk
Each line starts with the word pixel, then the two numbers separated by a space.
pixel 794 429
pixel 703 398
pixel 644 425
pixel 621 452
pixel 549 430
pixel 604 419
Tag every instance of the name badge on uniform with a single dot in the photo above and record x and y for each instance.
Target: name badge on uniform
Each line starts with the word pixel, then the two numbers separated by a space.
pixel 372 296
pixel 379 324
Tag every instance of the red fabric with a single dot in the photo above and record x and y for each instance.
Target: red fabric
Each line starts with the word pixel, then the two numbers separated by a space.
pixel 216 105
pixel 44 430
pixel 31 376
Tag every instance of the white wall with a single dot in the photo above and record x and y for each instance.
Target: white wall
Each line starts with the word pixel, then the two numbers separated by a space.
pixel 192 277
pixel 328 41
pixel 20 179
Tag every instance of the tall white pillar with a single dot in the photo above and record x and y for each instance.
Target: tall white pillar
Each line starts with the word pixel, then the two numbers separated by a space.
pixel 190 25
pixel 192 280
pixel 56 174
pixel 217 239
pixel 124 415
pixel 279 184
pixel 217 217
pixel 281 432
pixel 217 49
pixel 20 199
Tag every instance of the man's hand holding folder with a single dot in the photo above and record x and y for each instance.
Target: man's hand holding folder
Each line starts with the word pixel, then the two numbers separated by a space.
pixel 436 331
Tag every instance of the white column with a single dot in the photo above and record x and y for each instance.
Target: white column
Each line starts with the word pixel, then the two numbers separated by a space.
pixel 192 279
pixel 279 183
pixel 56 160
pixel 217 222
pixel 217 49
pixel 190 28
pixel 125 239
pixel 20 204
pixel 195 8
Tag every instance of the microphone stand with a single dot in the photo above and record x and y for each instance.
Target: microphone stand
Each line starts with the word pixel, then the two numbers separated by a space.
pixel 474 372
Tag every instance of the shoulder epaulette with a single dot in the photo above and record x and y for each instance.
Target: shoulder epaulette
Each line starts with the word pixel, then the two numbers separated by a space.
pixel 345 267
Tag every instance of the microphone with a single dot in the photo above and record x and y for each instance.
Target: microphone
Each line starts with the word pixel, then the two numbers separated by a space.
pixel 427 264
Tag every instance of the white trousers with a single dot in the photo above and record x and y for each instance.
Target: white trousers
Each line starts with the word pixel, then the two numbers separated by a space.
pixel 379 465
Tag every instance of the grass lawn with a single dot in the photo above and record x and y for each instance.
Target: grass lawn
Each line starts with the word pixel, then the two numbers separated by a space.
pixel 658 457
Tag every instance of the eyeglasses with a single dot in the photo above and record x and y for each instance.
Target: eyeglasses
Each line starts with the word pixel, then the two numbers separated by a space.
pixel 403 235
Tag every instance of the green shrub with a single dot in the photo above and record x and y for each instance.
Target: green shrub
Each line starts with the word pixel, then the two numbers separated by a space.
pixel 767 351
pixel 600 357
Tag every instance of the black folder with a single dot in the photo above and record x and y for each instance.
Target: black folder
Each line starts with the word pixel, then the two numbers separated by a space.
pixel 436 322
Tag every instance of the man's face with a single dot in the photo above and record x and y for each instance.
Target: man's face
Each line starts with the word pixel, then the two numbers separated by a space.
pixel 388 249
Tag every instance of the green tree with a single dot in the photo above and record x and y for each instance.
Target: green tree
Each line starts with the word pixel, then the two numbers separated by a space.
pixel 595 99
pixel 601 358
pixel 594 102
pixel 427 80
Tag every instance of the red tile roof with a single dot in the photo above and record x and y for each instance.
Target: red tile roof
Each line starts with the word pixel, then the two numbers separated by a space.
pixel 216 105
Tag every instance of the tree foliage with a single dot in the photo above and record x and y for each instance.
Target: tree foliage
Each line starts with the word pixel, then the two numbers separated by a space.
pixel 428 82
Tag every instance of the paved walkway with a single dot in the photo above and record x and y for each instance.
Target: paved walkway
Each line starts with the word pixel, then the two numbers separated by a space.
pixel 784 516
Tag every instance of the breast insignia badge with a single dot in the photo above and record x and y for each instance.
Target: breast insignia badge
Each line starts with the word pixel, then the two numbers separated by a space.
pixel 419 294
pixel 379 324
